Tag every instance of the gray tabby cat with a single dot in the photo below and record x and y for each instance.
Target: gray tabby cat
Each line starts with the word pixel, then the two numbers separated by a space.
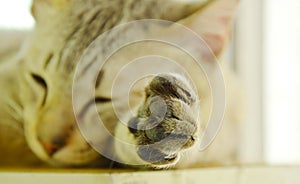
pixel 38 124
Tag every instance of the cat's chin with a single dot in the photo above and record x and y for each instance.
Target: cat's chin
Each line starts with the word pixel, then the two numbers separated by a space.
pixel 69 158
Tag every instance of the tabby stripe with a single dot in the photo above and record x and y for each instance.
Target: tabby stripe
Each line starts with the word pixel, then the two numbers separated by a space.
pixel 90 103
pixel 48 59
pixel 68 39
pixel 99 79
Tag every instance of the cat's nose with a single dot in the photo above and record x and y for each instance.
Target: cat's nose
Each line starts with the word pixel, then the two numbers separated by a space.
pixel 51 147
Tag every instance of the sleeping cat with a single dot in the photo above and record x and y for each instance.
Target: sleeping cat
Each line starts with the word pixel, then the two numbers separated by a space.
pixel 38 124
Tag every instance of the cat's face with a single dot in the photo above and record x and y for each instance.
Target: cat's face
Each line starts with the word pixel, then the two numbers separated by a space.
pixel 50 126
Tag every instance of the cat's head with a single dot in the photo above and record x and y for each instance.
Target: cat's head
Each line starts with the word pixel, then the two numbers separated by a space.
pixel 64 29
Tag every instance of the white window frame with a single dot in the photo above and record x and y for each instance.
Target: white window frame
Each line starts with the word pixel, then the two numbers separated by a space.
pixel 248 57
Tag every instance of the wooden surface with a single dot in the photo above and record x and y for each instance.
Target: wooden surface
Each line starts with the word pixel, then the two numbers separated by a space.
pixel 224 175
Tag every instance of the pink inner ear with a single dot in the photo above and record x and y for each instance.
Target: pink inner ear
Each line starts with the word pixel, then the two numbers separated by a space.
pixel 213 25
pixel 215 42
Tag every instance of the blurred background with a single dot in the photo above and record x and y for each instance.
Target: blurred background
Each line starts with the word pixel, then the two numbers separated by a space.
pixel 265 53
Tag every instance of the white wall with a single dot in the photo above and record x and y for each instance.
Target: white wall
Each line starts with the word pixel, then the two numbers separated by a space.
pixel 15 14
pixel 267 50
pixel 248 61
pixel 282 81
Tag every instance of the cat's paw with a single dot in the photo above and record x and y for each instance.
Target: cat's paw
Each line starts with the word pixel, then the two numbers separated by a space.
pixel 167 122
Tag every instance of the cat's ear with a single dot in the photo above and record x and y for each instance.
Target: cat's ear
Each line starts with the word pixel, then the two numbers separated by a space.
pixel 40 6
pixel 213 23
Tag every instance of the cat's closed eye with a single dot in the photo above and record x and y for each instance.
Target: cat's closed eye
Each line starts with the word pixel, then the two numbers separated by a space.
pixel 40 81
